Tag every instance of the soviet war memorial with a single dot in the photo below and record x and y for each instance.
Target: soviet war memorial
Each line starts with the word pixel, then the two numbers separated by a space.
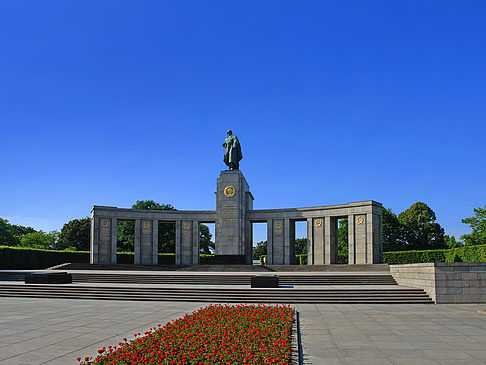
pixel 233 219
pixel 242 183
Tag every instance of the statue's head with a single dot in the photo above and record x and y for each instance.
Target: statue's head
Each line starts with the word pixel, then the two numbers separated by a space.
pixel 229 133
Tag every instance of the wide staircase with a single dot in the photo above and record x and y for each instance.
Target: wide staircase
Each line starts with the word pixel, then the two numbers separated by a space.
pixel 323 287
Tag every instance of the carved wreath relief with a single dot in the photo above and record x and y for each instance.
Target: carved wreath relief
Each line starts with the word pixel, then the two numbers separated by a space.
pixel 146 224
pixel 104 223
pixel 187 225
pixel 318 222
pixel 360 220
pixel 229 191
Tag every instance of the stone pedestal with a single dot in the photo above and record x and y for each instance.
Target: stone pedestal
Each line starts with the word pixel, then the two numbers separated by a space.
pixel 233 231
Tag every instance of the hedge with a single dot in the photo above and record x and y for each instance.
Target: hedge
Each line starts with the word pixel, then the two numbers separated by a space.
pixel 459 254
pixel 29 258
pixel 32 258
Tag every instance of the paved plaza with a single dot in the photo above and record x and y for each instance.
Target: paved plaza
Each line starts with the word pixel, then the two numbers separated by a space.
pixel 50 331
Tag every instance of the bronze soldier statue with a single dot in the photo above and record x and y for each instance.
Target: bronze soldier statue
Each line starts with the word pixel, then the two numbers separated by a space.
pixel 232 153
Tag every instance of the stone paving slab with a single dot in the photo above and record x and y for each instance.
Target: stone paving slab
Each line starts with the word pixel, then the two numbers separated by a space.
pixel 56 331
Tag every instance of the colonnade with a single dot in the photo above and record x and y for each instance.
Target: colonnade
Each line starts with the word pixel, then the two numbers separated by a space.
pixel 364 233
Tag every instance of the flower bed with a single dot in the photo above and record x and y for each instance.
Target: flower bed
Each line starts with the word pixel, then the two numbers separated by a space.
pixel 216 334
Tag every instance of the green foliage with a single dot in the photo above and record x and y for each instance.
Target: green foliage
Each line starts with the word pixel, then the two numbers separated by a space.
pixel 75 233
pixel 458 254
pixel 11 234
pixel 301 259
pixel 414 256
pixel 30 258
pixel 451 241
pixel 206 259
pixel 419 230
pixel 343 241
pixel 478 226
pixel 259 250
pixel 261 258
pixel 392 232
pixel 206 246
pixel 300 246
pixel 40 239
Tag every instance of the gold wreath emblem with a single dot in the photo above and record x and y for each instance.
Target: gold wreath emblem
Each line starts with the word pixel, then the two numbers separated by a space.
pixel 318 222
pixel 360 220
pixel 146 224
pixel 104 222
pixel 230 191
pixel 278 225
pixel 187 225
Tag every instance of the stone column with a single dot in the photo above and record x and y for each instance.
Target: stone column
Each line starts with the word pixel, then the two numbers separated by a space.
pixel 310 241
pixel 289 243
pixel 94 239
pixel 374 240
pixel 114 238
pixel 178 242
pixel 270 242
pixel 330 241
pixel 103 240
pixel 147 243
pixel 351 241
pixel 155 242
pixel 233 200
pixel 315 235
pixel 136 243
pixel 280 245
pixel 188 251
pixel 195 242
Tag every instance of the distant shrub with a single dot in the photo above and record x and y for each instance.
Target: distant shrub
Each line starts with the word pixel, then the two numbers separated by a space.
pixel 458 254
pixel 206 259
pixel 30 258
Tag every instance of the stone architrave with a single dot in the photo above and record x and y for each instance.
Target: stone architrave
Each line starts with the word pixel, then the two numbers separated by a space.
pixel 233 234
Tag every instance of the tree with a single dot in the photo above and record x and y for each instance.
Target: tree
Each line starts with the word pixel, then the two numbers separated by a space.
pixel 11 234
pixel 451 241
pixel 6 236
pixel 343 241
pixel 75 234
pixel 420 232
pixel 478 226
pixel 206 245
pixel 259 249
pixel 40 239
pixel 300 246
pixel 392 232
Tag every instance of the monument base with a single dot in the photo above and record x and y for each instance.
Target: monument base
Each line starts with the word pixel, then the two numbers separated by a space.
pixel 264 281
pixel 49 278
pixel 229 259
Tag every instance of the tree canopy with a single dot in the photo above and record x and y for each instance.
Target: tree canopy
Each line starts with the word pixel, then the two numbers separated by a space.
pixel 259 249
pixel 75 234
pixel 40 239
pixel 478 226
pixel 11 234
pixel 419 229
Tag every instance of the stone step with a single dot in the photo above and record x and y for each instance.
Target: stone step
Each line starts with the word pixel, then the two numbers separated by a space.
pixel 280 295
pixel 208 279
pixel 229 268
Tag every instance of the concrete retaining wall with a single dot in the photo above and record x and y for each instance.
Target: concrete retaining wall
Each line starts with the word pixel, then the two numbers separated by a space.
pixel 445 282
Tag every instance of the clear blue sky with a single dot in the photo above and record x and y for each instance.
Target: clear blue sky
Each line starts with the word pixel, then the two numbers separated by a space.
pixel 109 102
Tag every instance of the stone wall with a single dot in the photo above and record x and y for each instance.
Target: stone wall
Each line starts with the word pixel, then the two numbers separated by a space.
pixel 445 282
